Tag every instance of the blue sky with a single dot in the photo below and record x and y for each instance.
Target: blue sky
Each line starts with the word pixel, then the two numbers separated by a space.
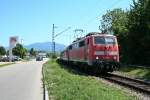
pixel 31 20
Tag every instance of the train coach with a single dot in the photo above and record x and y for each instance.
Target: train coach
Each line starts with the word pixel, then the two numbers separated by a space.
pixel 95 52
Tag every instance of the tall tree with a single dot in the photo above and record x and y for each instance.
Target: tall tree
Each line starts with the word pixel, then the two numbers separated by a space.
pixel 139 32
pixel 115 21
pixel 19 50
pixel 2 50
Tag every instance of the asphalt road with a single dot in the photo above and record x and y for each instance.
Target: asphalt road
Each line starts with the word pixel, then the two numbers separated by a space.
pixel 21 81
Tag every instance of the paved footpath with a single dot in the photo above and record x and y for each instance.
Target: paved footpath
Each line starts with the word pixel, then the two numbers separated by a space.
pixel 21 81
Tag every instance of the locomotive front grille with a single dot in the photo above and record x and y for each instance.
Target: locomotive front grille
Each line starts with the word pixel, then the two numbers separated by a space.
pixel 99 53
pixel 111 53
pixel 106 53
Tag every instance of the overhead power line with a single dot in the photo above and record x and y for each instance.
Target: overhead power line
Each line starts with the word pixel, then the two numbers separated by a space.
pixel 62 31
pixel 115 3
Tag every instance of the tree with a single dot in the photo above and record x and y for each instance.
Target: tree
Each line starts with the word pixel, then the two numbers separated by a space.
pixel 32 52
pixel 2 50
pixel 19 50
pixel 115 22
pixel 139 32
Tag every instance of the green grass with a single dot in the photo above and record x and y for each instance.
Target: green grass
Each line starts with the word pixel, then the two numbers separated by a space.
pixel 142 73
pixel 3 65
pixel 66 84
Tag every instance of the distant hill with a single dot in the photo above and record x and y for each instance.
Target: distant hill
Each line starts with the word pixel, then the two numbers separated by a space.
pixel 46 46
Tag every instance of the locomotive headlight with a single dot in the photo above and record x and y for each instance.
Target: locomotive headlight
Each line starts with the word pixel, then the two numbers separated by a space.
pixel 97 58
pixel 115 57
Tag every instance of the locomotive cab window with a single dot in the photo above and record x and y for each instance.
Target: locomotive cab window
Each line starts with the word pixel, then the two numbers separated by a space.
pixel 104 40
pixel 99 40
pixel 110 40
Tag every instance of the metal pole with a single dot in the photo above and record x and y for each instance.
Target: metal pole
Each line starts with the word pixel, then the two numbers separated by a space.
pixel 53 40
pixel 54 36
pixel 10 54
pixel 54 48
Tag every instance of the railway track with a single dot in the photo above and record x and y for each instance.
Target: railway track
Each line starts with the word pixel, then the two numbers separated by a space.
pixel 138 85
pixel 135 84
pixel 136 66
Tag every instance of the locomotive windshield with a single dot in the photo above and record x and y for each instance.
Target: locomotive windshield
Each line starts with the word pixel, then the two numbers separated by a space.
pixel 104 40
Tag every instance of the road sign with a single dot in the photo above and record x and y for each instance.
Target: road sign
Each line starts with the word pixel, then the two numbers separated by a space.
pixel 12 43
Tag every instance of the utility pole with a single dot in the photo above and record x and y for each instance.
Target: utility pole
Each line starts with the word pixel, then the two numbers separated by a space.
pixel 53 39
pixel 54 36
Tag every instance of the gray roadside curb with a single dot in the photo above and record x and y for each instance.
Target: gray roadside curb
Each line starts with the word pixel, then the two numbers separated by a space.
pixel 45 94
pixel 46 97
pixel 45 91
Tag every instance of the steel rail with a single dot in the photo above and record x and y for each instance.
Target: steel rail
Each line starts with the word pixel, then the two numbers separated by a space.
pixel 136 66
pixel 136 84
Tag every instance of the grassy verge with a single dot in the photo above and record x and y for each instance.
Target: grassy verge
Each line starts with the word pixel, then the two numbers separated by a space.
pixel 141 73
pixel 65 84
pixel 6 64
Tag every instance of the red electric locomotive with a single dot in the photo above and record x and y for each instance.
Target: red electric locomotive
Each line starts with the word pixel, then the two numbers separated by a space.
pixel 97 52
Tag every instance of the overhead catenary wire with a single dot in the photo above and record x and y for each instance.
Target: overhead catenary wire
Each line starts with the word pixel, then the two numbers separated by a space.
pixel 62 32
pixel 92 19
pixel 97 17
